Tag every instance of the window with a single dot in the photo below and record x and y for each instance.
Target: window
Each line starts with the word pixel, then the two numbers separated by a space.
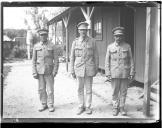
pixel 98 29
pixel 77 33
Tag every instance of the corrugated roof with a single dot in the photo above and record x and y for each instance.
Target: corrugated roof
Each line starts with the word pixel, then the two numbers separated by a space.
pixel 64 9
pixel 61 14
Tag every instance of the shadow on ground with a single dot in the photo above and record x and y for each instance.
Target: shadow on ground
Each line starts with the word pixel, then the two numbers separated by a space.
pixel 12 60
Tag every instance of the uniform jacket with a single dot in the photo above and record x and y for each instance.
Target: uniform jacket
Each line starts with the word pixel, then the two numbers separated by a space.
pixel 45 59
pixel 119 62
pixel 84 57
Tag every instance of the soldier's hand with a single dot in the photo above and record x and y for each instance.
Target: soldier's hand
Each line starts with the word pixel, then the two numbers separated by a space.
pixel 73 75
pixel 108 78
pixel 35 76
pixel 54 74
pixel 131 77
pixel 97 70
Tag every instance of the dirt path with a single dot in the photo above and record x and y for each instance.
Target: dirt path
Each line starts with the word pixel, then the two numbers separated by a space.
pixel 20 96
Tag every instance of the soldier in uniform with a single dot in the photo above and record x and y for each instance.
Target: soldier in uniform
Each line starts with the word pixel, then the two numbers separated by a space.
pixel 45 66
pixel 84 61
pixel 119 68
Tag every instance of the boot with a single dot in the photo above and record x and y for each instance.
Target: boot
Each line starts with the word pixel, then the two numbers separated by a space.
pixel 115 107
pixel 80 110
pixel 51 108
pixel 115 111
pixel 88 111
pixel 122 111
pixel 42 108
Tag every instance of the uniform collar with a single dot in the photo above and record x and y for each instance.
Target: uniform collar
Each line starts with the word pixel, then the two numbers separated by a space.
pixel 41 43
pixel 84 40
pixel 118 44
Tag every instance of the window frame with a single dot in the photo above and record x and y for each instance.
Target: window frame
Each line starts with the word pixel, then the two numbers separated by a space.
pixel 98 20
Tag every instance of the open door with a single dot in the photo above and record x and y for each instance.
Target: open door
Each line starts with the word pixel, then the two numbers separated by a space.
pixel 127 21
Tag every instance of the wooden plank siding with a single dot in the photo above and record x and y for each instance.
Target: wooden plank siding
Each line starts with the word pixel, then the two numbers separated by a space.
pixel 140 43
pixel 76 17
pixel 110 19
pixel 154 44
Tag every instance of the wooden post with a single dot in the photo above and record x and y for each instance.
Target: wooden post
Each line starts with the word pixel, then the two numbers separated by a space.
pixel 66 20
pixel 87 15
pixel 67 49
pixel 55 32
pixel 147 81
pixel 28 42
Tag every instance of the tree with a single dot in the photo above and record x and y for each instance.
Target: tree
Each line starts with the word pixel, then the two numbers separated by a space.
pixel 11 34
pixel 36 18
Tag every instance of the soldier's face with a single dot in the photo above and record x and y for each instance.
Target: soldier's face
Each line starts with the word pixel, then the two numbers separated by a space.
pixel 119 38
pixel 82 32
pixel 43 37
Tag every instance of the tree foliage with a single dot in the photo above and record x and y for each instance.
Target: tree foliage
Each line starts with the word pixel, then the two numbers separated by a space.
pixel 12 33
pixel 36 18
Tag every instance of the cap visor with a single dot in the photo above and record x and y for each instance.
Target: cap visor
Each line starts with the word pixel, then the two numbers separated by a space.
pixel 118 34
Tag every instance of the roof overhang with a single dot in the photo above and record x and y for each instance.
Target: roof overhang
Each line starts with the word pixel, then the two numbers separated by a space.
pixel 102 4
pixel 60 16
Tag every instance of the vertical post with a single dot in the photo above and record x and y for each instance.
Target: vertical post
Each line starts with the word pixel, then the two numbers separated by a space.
pixel 55 31
pixel 28 42
pixel 67 48
pixel 87 15
pixel 28 50
pixel 66 21
pixel 147 81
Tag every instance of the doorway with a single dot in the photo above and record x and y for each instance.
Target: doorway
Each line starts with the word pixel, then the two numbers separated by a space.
pixel 127 21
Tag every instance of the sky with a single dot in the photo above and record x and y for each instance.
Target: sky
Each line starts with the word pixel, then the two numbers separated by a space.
pixel 13 17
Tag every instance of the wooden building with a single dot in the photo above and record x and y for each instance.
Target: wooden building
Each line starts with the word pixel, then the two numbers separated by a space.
pixel 21 42
pixel 141 21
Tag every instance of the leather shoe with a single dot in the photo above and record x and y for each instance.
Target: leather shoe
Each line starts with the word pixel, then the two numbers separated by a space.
pixel 42 108
pixel 123 112
pixel 88 111
pixel 115 111
pixel 51 109
pixel 80 111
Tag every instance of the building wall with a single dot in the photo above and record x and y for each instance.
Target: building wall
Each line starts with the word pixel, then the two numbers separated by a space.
pixel 140 41
pixel 110 19
pixel 140 44
pixel 154 44
pixel 76 17
pixel 21 42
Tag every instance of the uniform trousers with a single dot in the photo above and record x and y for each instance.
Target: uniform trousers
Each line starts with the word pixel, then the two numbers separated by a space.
pixel 85 82
pixel 119 91
pixel 46 89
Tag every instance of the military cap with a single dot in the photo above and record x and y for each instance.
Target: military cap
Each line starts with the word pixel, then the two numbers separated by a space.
pixel 82 25
pixel 118 31
pixel 42 31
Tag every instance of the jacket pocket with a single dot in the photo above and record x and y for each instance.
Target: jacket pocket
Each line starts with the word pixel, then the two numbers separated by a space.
pixel 124 53
pixel 49 52
pixel 113 54
pixel 78 52
pixel 89 50
pixel 39 51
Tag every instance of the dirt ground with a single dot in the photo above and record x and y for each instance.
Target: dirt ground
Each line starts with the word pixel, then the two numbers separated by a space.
pixel 20 97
